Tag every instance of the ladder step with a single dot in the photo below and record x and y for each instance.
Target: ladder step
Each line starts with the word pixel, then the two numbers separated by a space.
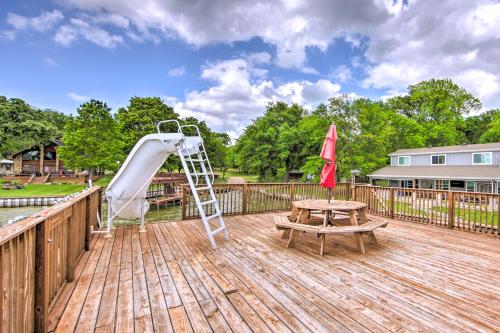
pixel 203 203
pixel 203 188
pixel 218 230
pixel 203 174
pixel 195 160
pixel 213 216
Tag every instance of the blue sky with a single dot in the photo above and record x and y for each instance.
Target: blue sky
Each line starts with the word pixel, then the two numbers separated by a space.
pixel 224 61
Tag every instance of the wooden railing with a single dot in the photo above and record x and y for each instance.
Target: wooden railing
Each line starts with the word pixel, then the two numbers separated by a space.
pixel 462 210
pixel 38 256
pixel 259 198
pixel 166 184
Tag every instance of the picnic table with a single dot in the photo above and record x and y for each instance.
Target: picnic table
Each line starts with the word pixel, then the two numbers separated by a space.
pixel 338 216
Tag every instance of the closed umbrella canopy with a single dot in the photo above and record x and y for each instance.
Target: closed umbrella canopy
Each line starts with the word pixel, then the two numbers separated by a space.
pixel 328 153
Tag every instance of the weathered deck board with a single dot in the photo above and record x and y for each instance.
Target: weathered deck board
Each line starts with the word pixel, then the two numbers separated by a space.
pixel 417 278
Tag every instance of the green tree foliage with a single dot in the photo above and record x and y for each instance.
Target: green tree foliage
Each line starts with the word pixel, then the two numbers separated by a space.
pixel 91 139
pixel 492 133
pixel 140 118
pixel 272 142
pixel 475 126
pixel 23 126
pixel 433 113
pixel 439 106
pixel 285 138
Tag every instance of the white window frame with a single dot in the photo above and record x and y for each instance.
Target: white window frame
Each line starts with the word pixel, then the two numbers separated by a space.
pixel 409 161
pixel 485 152
pixel 438 158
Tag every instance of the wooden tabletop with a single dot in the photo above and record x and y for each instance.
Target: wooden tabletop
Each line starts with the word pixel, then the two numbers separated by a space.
pixel 333 205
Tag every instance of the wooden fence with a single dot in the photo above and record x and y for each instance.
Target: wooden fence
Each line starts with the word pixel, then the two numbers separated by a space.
pixel 259 197
pixel 166 185
pixel 38 256
pixel 463 210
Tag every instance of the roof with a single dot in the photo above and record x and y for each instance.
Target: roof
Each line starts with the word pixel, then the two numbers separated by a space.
pixel 56 142
pixel 449 149
pixel 473 172
pixel 4 161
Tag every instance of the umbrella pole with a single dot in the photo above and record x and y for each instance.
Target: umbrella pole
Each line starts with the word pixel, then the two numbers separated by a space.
pixel 329 194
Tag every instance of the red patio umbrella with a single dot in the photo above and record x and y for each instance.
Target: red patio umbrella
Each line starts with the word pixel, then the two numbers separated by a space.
pixel 328 154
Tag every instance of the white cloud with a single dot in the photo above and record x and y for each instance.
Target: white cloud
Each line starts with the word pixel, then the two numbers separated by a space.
pixel 8 34
pixel 50 62
pixel 460 40
pixel 68 33
pixel 44 22
pixel 290 26
pixel 240 92
pixel 178 71
pixel 342 73
pixel 77 97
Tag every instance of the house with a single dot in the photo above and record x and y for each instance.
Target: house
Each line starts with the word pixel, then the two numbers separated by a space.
pixel 39 160
pixel 471 168
pixel 6 167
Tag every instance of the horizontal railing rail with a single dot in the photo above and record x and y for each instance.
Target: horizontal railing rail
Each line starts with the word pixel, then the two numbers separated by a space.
pixel 473 211
pixel 463 210
pixel 38 257
pixel 259 197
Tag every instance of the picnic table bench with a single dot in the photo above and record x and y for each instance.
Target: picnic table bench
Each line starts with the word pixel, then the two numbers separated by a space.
pixel 339 217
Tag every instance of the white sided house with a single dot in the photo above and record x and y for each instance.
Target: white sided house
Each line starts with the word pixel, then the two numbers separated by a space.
pixel 471 168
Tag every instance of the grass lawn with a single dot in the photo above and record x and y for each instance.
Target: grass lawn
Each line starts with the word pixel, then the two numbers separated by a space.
pixel 104 180
pixel 42 190
pixel 485 218
pixel 236 173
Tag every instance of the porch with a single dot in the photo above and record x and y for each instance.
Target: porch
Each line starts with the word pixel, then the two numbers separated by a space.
pixel 419 277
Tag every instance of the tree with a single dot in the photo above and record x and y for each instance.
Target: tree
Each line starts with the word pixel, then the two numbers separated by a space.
pixel 439 106
pixel 475 126
pixel 91 139
pixel 269 144
pixel 492 133
pixel 23 126
pixel 140 118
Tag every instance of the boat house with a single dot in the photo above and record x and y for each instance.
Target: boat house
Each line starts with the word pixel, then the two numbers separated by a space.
pixel 471 168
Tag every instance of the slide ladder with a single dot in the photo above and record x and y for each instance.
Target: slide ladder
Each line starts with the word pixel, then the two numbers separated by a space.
pixel 200 177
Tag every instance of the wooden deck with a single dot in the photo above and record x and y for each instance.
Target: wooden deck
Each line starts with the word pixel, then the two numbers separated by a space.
pixel 419 278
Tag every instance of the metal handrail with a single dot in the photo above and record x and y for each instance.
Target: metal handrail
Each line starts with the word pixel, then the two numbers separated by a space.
pixel 169 121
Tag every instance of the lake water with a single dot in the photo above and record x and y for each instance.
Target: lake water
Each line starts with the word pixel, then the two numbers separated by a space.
pixel 163 214
pixel 10 213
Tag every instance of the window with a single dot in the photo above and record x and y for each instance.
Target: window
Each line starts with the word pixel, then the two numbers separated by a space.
pixel 31 155
pixel 438 159
pixel 403 160
pixel 50 155
pixel 442 184
pixel 471 186
pixel 481 158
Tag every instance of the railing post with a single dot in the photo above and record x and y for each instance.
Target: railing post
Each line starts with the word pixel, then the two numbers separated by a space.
pixel 353 192
pixel 244 199
pixel 292 194
pixel 184 202
pixel 41 277
pixel 348 192
pixel 99 204
pixel 391 202
pixel 451 209
pixel 88 221
pixel 71 219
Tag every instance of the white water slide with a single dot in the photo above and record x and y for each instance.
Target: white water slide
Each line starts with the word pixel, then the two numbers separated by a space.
pixel 126 193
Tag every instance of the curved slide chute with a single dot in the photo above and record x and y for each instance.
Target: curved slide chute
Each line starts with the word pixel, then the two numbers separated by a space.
pixel 126 193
